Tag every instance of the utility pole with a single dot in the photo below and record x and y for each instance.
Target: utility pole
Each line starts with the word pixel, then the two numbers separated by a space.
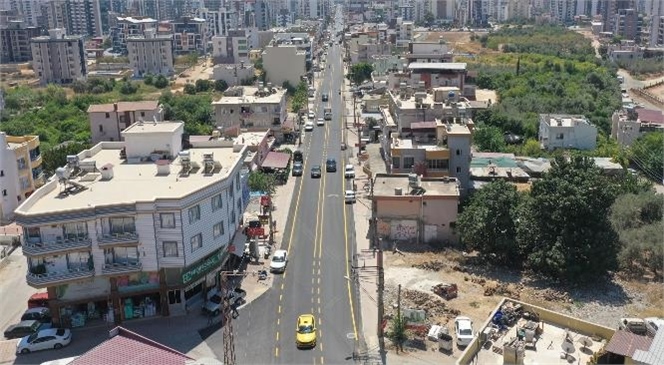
pixel 399 313
pixel 377 246
pixel 228 338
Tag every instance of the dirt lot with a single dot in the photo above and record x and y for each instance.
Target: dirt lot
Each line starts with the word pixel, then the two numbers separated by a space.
pixel 481 287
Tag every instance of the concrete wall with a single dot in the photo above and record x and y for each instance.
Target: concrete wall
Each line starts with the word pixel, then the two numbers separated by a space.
pixel 284 63
pixel 399 216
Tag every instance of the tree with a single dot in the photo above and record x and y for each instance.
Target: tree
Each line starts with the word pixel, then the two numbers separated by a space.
pixel 429 19
pixel 488 138
pixel 161 82
pixel 203 85
pixel 57 156
pixel 647 153
pixel 564 228
pixel 398 332
pixel 108 43
pixel 220 85
pixel 360 72
pixel 148 79
pixel 260 181
pixel 190 89
pixel 128 88
pixel 487 224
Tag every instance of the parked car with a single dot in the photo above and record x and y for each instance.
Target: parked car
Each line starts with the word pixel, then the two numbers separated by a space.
pixel 311 115
pixel 297 169
pixel 215 302
pixel 309 126
pixel 40 314
pixel 349 171
pixel 25 328
pixel 52 338
pixel 463 327
pixel 331 165
pixel 38 300
pixel 349 196
pixel 316 171
pixel 320 121
pixel 279 261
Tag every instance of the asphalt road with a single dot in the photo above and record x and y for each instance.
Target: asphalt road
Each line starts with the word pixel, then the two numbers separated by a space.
pixel 320 250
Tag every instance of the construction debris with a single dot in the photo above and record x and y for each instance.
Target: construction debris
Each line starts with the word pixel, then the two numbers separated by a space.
pixel 430 266
pixel 447 291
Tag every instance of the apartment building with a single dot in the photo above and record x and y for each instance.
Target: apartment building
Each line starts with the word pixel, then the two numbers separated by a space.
pixel 230 49
pixel 151 54
pixel 252 108
pixel 188 34
pixel 108 121
pixel 412 208
pixel 566 131
pixel 28 10
pixel 302 40
pixel 284 62
pixel 363 47
pixel 430 75
pixel 234 74
pixel 59 58
pixel 628 125
pixel 404 33
pixel 15 38
pixel 428 133
pixel 78 17
pixel 20 172
pixel 125 27
pixel 134 229
pixel 627 24
pixel 429 47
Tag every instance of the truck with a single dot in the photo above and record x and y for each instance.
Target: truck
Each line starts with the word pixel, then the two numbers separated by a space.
pixel 327 114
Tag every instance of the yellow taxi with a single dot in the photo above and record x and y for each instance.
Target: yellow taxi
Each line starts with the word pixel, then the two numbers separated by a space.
pixel 305 333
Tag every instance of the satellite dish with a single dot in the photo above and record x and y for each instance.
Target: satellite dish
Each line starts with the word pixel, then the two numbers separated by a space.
pixel 585 342
pixel 568 347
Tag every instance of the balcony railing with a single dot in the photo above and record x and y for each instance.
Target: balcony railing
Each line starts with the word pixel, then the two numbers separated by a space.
pixel 124 267
pixel 50 278
pixel 48 248
pixel 117 238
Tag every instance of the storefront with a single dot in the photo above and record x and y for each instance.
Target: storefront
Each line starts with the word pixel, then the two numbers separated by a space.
pixel 84 313
pixel 137 296
pixel 199 278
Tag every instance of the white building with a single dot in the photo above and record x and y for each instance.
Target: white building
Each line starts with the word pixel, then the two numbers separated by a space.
pixel 628 125
pixel 232 48
pixel 20 172
pixel 284 63
pixel 566 131
pixel 136 228
pixel 151 54
pixel 58 58
pixel 235 74
pixel 252 108
pixel 107 121
pixel 126 27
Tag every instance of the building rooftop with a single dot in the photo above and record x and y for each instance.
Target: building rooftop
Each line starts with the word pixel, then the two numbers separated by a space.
pixel 15 142
pixel 564 120
pixel 650 116
pixel 251 94
pixel 124 106
pixel 147 181
pixel 451 66
pixel 136 20
pixel 385 185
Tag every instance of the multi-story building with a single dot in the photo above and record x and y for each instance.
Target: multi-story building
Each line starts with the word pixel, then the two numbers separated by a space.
pixel 29 10
pixel 230 49
pixel 628 125
pixel 609 11
pixel 188 34
pixel 426 48
pixel 428 133
pixel 136 228
pixel 20 172
pixel 58 58
pixel 363 47
pixel 15 40
pixel 431 75
pixel 566 131
pixel 252 108
pixel 234 74
pixel 151 54
pixel 107 121
pixel 78 17
pixel 404 33
pixel 655 11
pixel 125 27
pixel 416 209
pixel 284 62
pixel 627 24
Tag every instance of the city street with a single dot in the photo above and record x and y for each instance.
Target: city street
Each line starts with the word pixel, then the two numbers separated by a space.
pixel 320 243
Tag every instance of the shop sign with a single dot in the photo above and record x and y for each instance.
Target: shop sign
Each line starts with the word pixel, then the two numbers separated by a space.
pixel 202 268
pixel 137 282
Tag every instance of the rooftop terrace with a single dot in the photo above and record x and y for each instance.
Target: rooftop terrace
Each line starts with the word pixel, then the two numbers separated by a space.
pixel 385 185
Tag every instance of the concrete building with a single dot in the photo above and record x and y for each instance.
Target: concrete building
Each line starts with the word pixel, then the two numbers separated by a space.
pixel 107 121
pixel 284 63
pixel 627 24
pixel 252 108
pixel 628 125
pixel 151 54
pixel 655 11
pixel 58 58
pixel 232 48
pixel 429 47
pixel 78 17
pixel 15 41
pixel 188 34
pixel 20 172
pixel 404 33
pixel 428 133
pixel 301 40
pixel 234 74
pixel 125 27
pixel 566 131
pixel 625 52
pixel 134 229
pixel 28 10
pixel 431 74
pixel 363 47
pixel 411 208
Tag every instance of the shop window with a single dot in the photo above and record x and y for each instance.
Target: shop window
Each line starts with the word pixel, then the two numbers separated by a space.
pixel 167 220
pixel 396 162
pixel 408 162
pixel 170 249
pixel 194 214
pixel 196 242
pixel 217 202
pixel 174 297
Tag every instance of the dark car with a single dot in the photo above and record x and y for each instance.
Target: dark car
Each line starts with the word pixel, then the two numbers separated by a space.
pixel 298 156
pixel 325 97
pixel 40 314
pixel 316 171
pixel 331 165
pixel 24 328
pixel 297 169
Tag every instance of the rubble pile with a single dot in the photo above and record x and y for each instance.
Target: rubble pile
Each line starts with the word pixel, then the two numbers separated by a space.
pixel 433 306
pixel 430 266
pixel 553 295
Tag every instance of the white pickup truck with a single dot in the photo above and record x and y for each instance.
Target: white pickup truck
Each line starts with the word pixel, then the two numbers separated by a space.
pixel 215 303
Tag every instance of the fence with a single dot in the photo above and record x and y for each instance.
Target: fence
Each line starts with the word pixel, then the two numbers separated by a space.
pixel 648 96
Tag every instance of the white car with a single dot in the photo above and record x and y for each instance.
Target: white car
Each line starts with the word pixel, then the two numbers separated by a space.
pixel 463 327
pixel 349 172
pixel 312 115
pixel 309 126
pixel 320 121
pixel 52 338
pixel 349 196
pixel 279 261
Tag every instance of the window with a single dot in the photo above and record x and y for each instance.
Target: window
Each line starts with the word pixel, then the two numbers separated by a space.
pixel 218 229
pixel 120 225
pixel 2 173
pixel 142 114
pixel 108 115
pixel 237 181
pixel 217 202
pixel 101 128
pixel 396 162
pixel 75 231
pixel 232 189
pixel 233 217
pixel 170 248
pixel 167 220
pixel 239 204
pixel 438 164
pixel 194 214
pixel 4 192
pixel 560 136
pixel 458 170
pixel 408 162
pixel 458 152
pixel 21 163
pixel 196 242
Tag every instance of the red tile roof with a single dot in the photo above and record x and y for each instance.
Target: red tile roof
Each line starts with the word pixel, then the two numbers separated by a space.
pixel 650 116
pixel 129 348
pixel 276 160
pixel 626 343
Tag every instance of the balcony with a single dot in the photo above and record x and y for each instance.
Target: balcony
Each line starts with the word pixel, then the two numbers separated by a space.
pixel 108 240
pixel 121 268
pixel 59 246
pixel 52 278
